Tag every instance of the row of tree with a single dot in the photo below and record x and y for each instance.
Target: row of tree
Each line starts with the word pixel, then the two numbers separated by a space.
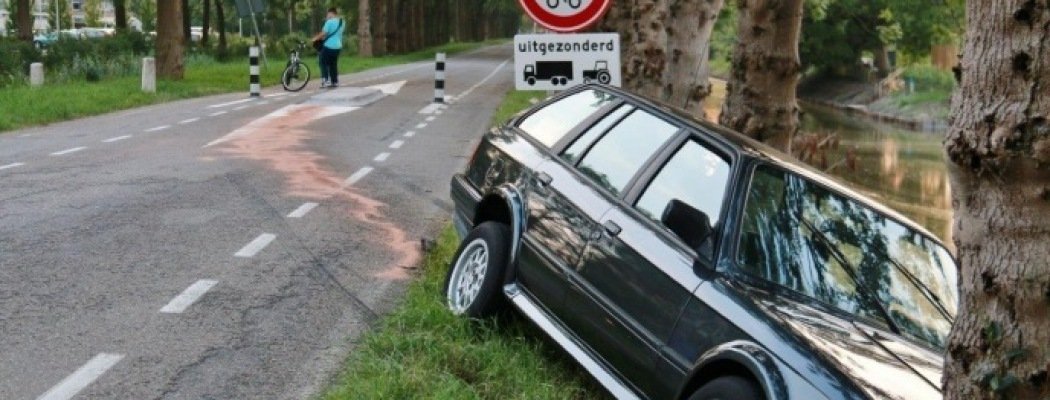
pixel 398 26
pixel 998 144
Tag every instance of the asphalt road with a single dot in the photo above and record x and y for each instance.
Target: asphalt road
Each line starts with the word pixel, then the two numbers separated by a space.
pixel 223 248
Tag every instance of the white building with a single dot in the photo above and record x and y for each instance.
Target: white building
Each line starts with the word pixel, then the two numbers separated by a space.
pixel 3 19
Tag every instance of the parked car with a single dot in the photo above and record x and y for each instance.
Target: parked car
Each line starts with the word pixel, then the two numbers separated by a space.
pixel 42 40
pixel 676 259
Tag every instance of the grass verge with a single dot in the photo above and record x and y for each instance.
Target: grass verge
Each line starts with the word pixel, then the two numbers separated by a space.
pixel 422 351
pixel 514 102
pixel 23 106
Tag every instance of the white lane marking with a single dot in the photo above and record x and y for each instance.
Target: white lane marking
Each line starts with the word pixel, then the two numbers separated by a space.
pixel 421 126
pixel 357 176
pixel 217 113
pixel 389 89
pixel 382 157
pixel 263 103
pixel 432 108
pixel 397 144
pixel 264 122
pixel 410 133
pixel 294 95
pixel 83 377
pixel 302 210
pixel 240 108
pixel 189 296
pixel 220 105
pixel 275 95
pixel 438 112
pixel 431 118
pixel 68 151
pixel 422 64
pixel 482 82
pixel 250 249
pixel 11 165
pixel 158 128
pixel 189 121
pixel 116 139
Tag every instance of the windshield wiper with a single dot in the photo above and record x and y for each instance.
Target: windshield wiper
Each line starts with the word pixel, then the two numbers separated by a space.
pixel 926 291
pixel 853 274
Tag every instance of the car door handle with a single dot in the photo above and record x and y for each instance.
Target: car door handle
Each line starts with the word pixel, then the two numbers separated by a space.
pixel 544 179
pixel 611 228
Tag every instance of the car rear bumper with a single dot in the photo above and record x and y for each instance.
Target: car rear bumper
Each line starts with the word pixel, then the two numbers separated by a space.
pixel 465 197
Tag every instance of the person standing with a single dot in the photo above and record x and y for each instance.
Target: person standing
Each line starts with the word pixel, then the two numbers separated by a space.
pixel 331 39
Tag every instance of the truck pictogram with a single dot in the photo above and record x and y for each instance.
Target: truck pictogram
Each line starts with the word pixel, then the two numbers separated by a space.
pixel 557 72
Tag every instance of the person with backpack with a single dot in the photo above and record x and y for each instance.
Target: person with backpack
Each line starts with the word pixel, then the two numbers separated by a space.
pixel 328 43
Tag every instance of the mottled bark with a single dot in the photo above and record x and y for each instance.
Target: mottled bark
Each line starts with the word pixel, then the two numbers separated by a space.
pixel 686 82
pixel 24 20
pixel 999 153
pixel 170 40
pixel 664 48
pixel 760 95
pixel 364 29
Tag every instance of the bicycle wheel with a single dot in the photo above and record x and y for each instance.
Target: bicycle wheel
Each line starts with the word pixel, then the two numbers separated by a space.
pixel 295 77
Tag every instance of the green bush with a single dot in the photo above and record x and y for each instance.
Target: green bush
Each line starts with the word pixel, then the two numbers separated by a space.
pixel 15 57
pixel 929 78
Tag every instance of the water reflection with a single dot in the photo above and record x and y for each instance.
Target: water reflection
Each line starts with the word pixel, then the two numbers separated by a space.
pixel 903 169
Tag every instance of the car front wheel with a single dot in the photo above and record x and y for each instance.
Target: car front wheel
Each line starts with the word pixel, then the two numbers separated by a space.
pixel 728 388
pixel 474 278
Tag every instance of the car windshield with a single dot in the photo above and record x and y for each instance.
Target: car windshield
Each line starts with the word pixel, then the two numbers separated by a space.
pixel 805 237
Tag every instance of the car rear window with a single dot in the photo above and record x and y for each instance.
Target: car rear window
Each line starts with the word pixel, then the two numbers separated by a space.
pixel 552 122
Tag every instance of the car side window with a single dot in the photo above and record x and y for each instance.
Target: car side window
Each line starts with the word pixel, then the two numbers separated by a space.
pixel 555 120
pixel 618 155
pixel 695 176
pixel 584 142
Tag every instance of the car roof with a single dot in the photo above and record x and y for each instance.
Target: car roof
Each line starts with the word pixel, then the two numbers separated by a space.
pixel 748 147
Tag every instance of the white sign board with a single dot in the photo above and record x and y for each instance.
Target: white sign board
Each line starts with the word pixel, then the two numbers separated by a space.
pixel 560 61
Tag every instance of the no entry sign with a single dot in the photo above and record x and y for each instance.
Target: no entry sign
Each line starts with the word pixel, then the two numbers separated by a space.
pixel 565 15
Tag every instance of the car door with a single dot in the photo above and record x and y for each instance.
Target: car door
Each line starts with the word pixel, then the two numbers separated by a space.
pixel 636 274
pixel 562 210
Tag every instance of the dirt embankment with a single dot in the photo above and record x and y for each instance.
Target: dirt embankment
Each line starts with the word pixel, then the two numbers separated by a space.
pixel 860 98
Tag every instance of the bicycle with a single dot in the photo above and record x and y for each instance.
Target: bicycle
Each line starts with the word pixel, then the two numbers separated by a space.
pixel 296 74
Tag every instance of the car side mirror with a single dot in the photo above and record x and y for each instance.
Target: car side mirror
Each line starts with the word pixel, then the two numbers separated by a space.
pixel 690 224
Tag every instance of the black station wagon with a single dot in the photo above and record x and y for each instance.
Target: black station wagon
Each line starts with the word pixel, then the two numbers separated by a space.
pixel 675 259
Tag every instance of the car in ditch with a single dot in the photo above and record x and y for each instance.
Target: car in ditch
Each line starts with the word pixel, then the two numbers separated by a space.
pixel 676 259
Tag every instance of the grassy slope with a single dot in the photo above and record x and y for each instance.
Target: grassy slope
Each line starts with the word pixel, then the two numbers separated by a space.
pixel 423 351
pixel 23 106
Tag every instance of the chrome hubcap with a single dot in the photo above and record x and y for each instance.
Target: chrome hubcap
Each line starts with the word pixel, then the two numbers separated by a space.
pixel 467 276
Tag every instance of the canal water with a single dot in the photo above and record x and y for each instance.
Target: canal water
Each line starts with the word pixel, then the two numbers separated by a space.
pixel 901 168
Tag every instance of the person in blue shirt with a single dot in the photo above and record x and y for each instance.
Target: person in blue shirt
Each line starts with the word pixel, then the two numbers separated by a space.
pixel 332 36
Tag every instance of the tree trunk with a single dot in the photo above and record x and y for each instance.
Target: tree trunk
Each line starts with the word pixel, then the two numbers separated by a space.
pixel 120 14
pixel 170 40
pixel 187 35
pixel 643 43
pixel 206 28
pixel 998 148
pixel 380 44
pixel 24 20
pixel 881 60
pixel 686 82
pixel 220 25
pixel 760 95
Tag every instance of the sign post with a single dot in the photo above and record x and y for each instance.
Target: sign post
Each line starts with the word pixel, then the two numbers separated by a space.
pixel 558 61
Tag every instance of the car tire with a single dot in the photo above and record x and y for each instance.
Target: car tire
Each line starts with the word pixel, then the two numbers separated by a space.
pixel 475 278
pixel 728 388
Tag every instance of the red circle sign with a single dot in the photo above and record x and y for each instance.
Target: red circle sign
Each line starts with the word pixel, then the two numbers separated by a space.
pixel 565 15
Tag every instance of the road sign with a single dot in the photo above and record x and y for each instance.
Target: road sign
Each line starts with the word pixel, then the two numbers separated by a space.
pixel 565 15
pixel 557 62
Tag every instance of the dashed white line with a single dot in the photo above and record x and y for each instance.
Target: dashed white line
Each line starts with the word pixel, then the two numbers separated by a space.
pixel 438 112
pixel 357 176
pixel 189 121
pixel 116 139
pixel 263 103
pixel 220 105
pixel 217 113
pixel 240 108
pixel 382 157
pixel 158 128
pixel 11 165
pixel 397 144
pixel 251 249
pixel 189 296
pixel 410 133
pixel 432 108
pixel 275 95
pixel 421 126
pixel 302 210
pixel 68 151
pixel 481 82
pixel 431 118
pixel 83 377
